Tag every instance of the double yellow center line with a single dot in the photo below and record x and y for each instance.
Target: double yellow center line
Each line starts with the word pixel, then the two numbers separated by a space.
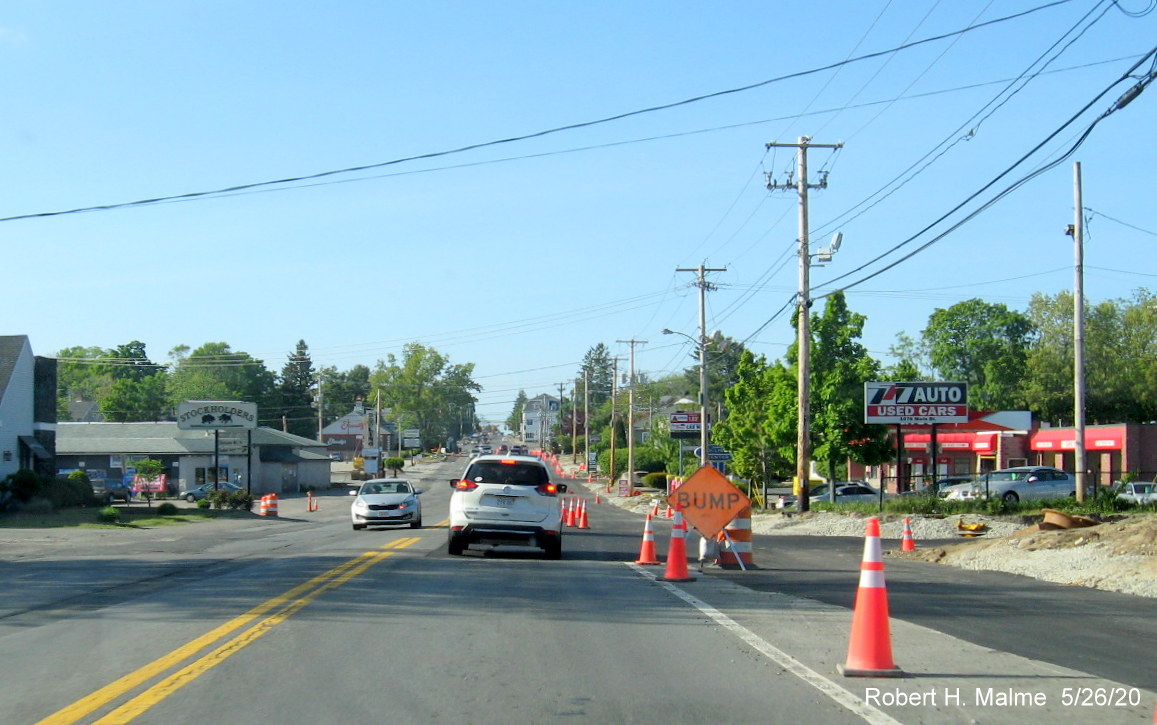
pixel 268 615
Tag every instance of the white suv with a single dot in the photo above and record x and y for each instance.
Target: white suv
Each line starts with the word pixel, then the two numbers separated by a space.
pixel 506 500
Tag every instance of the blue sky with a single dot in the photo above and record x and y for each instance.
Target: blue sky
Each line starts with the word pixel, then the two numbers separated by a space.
pixel 520 256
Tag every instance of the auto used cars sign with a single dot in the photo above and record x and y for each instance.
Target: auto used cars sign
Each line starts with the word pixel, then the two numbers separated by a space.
pixel 918 403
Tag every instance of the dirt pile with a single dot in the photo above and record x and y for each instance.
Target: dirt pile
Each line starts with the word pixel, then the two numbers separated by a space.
pixel 1119 554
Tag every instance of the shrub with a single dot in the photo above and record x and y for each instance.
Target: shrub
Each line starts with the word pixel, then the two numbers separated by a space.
pixel 22 485
pixel 203 504
pixel 108 515
pixel 232 500
pixel 68 491
pixel 166 509
pixel 37 506
pixel 655 480
pixel 395 464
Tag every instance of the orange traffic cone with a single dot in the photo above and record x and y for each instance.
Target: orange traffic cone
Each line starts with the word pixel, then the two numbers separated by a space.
pixel 870 646
pixel 597 499
pixel 582 517
pixel 677 552
pixel 670 512
pixel 647 551
pixel 655 507
pixel 568 514
pixel 907 543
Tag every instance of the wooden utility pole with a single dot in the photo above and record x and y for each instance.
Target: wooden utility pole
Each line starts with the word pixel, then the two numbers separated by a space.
pixel 631 412
pixel 803 427
pixel 703 285
pixel 1080 465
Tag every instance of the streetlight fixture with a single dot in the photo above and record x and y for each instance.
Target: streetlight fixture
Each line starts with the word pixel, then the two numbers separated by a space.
pixel 701 344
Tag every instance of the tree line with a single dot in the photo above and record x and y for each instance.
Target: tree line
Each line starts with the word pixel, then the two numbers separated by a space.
pixel 418 389
pixel 1011 360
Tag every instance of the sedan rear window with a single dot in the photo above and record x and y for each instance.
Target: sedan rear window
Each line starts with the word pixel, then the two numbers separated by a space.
pixel 517 474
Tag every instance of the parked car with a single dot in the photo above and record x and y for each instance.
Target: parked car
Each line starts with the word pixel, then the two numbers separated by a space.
pixel 109 490
pixel 934 488
pixel 199 492
pixel 519 450
pixel 846 492
pixel 506 500
pixel 383 501
pixel 1022 483
pixel 1138 492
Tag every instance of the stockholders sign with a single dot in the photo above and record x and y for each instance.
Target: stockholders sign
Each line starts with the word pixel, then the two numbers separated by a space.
pixel 916 403
pixel 215 414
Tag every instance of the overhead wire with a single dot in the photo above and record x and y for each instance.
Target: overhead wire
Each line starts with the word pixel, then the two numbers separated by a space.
pixel 528 136
pixel 1120 103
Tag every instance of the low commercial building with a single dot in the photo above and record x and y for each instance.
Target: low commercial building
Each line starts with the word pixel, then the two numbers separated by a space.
pixel 273 462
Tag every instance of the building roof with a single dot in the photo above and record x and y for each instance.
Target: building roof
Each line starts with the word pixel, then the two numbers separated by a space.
pixel 156 438
pixel 10 348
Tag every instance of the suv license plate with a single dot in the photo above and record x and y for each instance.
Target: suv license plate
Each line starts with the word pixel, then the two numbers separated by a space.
pixel 504 501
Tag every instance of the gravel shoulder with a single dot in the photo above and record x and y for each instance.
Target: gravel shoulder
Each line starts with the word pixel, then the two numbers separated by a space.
pixel 1119 554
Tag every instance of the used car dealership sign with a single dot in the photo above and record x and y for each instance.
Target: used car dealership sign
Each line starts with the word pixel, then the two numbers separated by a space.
pixel 918 403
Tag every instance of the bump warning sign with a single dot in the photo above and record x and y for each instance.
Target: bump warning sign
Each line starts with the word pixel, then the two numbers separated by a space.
pixel 708 500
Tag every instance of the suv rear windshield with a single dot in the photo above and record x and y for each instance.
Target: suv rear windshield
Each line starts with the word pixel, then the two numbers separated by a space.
pixel 516 473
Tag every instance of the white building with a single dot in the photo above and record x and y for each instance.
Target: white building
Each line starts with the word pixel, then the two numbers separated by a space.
pixel 539 416
pixel 27 408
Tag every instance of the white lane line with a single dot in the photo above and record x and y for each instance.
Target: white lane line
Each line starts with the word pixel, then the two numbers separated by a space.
pixel 781 658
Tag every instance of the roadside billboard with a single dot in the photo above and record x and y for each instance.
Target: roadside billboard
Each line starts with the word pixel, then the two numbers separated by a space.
pixel 915 403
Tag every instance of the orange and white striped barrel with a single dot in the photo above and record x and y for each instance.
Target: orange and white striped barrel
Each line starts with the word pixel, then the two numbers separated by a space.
pixel 271 509
pixel 738 546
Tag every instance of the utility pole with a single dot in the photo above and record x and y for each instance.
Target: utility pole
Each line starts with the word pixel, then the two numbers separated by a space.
pixel 587 422
pixel 614 404
pixel 574 424
pixel 803 427
pixel 703 285
pixel 561 387
pixel 631 412
pixel 320 411
pixel 1077 230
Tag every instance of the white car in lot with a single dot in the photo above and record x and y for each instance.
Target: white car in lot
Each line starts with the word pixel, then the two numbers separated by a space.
pixel 1022 483
pixel 506 500
pixel 386 501
pixel 1138 492
pixel 846 492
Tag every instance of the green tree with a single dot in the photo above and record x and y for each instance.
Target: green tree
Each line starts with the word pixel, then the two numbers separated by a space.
pixel 130 400
pixel 598 368
pixel 982 344
pixel 1120 360
pixel 424 391
pixel 83 375
pixel 840 367
pixel 514 422
pixel 295 392
pixel 760 438
pixel 148 470
pixel 723 355
pixel 341 389
pixel 215 372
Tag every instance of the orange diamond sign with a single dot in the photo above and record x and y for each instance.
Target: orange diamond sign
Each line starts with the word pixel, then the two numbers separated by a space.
pixel 708 500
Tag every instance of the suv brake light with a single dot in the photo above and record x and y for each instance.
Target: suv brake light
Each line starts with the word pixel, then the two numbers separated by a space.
pixel 547 489
pixel 465 485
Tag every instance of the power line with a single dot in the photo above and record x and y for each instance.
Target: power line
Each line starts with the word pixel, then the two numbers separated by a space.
pixel 525 137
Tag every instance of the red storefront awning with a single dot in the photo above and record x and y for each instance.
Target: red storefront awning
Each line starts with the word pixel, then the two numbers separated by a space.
pixel 980 442
pixel 1108 438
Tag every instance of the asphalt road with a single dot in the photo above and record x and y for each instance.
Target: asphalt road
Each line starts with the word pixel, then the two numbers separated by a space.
pixel 302 620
